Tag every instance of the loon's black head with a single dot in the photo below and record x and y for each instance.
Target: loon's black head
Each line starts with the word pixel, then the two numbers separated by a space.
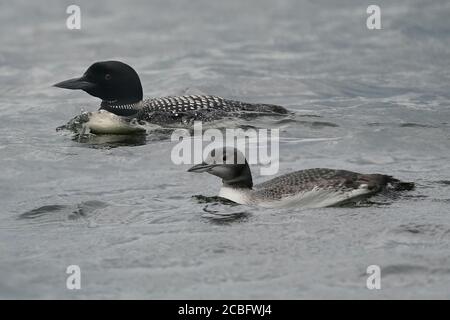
pixel 112 81
pixel 229 164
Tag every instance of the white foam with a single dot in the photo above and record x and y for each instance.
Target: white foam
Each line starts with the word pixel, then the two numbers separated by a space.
pixel 104 122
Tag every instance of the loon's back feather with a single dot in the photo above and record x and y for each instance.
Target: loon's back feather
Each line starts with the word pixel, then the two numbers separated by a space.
pixel 321 179
pixel 199 107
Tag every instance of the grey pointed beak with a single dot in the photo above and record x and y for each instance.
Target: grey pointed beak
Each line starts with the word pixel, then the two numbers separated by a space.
pixel 202 167
pixel 75 83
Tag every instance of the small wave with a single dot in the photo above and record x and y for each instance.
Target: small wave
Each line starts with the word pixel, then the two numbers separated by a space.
pixel 442 200
pixel 401 125
pixel 217 210
pixel 416 125
pixel 225 219
pixel 414 235
pixel 395 269
pixel 38 212
pixel 59 213
pixel 319 124
pixel 425 229
pixel 443 182
pixel 217 213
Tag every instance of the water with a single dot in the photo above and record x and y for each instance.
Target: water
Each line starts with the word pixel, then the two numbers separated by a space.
pixel 369 101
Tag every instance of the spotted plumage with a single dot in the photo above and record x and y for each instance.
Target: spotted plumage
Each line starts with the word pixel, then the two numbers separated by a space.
pixel 319 178
pixel 200 108
pixel 311 188
pixel 119 87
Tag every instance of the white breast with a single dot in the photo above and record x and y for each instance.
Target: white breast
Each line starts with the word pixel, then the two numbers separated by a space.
pixel 241 196
pixel 104 122
pixel 315 198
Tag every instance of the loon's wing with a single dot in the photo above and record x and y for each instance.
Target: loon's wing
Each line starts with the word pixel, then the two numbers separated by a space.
pixel 189 103
pixel 338 181
pixel 185 117
pixel 199 107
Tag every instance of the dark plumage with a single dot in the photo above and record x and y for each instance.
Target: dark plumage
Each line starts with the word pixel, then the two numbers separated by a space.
pixel 199 107
pixel 292 183
pixel 119 87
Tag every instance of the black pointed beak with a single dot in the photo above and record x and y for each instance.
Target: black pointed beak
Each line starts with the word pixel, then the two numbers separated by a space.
pixel 74 84
pixel 202 167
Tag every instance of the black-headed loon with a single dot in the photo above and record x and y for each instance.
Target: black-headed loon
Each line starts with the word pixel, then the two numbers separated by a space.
pixel 119 87
pixel 311 188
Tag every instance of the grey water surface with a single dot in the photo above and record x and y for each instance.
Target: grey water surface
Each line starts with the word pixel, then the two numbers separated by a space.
pixel 364 100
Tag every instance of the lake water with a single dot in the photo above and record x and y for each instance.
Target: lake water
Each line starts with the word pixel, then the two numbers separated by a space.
pixel 364 100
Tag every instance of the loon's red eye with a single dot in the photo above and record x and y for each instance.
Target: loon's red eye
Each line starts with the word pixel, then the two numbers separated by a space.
pixel 107 76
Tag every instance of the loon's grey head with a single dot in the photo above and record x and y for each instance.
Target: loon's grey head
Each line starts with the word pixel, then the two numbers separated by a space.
pixel 111 81
pixel 229 164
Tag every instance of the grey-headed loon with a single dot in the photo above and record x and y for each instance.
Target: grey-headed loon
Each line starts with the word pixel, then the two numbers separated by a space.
pixel 311 188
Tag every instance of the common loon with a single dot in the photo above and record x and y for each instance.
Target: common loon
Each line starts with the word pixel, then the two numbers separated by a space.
pixel 310 188
pixel 119 87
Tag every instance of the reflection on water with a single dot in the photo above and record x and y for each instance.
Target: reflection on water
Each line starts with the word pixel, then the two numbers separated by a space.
pixel 110 140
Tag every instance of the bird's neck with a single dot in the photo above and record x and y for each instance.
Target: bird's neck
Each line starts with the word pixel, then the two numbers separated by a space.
pixel 122 107
pixel 242 181
pixel 121 102
pixel 238 195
